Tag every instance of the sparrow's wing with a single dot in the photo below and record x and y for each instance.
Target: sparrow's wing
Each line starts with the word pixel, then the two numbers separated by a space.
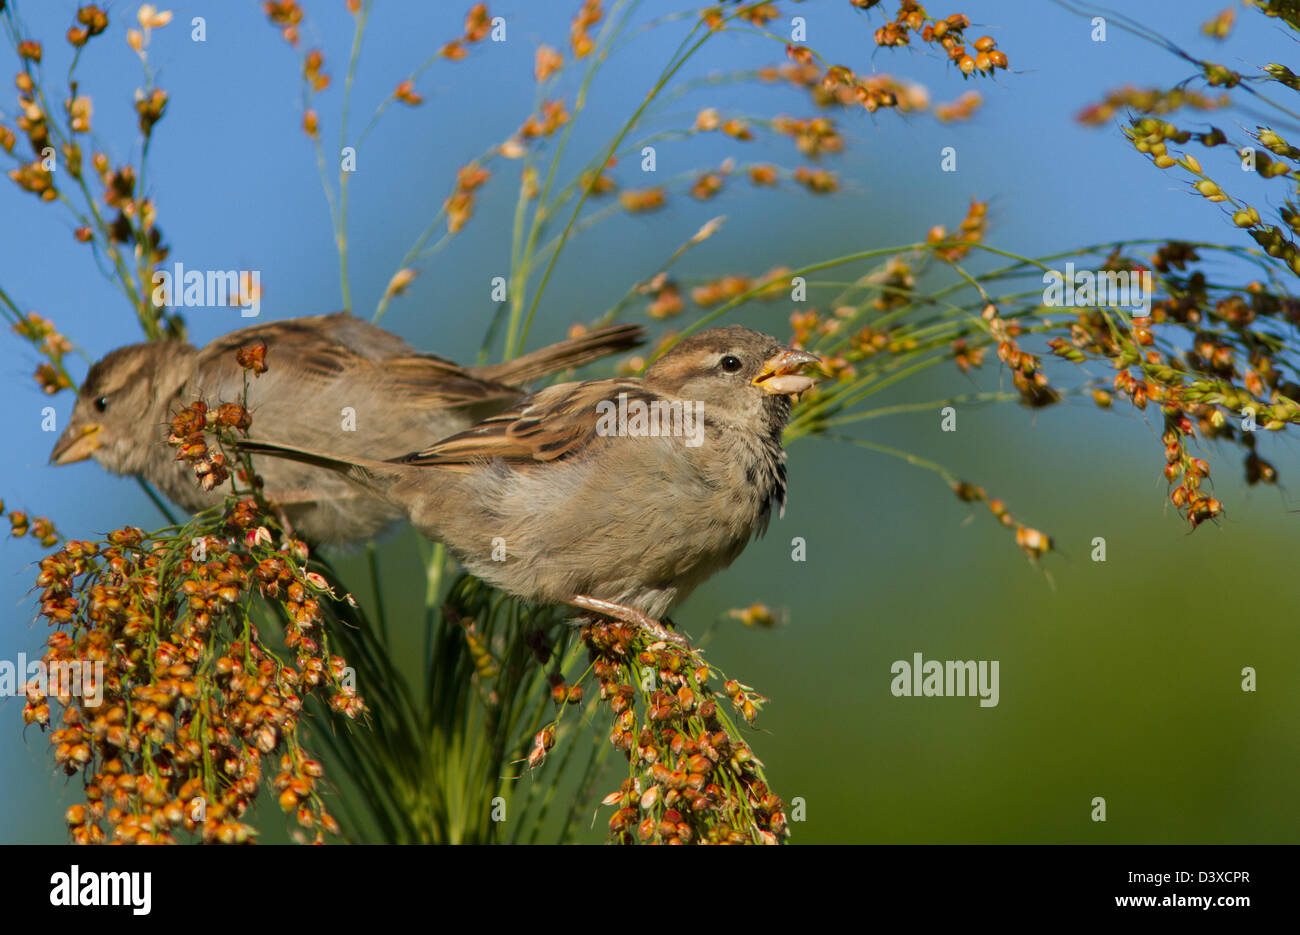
pixel 564 355
pixel 321 353
pixel 551 424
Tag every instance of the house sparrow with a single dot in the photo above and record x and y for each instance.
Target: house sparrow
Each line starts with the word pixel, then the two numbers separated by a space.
pixel 571 497
pixel 332 380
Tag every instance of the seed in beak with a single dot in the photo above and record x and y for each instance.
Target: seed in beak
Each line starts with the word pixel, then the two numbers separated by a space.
pixel 780 374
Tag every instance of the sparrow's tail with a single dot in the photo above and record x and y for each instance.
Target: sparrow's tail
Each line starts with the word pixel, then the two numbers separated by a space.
pixel 375 476
pixel 565 354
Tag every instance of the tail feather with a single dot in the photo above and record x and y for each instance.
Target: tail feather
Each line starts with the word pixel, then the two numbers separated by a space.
pixel 376 476
pixel 566 354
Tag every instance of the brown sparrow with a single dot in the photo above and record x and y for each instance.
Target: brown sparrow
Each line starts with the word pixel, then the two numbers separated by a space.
pixel 332 381
pixel 616 496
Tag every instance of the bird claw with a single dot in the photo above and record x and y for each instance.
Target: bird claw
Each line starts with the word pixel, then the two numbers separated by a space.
pixel 630 615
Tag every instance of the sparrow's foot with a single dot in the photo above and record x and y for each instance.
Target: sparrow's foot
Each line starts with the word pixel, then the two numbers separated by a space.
pixel 630 615
pixel 285 525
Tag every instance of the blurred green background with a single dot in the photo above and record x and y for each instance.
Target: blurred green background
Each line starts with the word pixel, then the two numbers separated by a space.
pixel 1119 679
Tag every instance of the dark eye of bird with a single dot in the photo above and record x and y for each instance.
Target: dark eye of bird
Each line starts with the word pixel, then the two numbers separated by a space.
pixel 731 363
pixel 101 404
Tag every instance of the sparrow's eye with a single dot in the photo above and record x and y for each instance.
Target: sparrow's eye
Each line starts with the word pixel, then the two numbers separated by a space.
pixel 731 363
pixel 101 404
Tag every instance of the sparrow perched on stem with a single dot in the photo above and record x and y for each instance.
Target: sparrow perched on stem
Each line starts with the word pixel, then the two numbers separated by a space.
pixel 331 381
pixel 558 500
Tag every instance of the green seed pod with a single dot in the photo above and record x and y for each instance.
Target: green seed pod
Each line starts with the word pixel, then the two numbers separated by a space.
pixel 1271 141
pixel 1215 137
pixel 1284 75
pixel 1220 77
pixel 1246 217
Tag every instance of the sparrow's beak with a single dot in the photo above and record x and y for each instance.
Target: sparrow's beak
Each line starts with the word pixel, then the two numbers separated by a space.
pixel 77 443
pixel 780 374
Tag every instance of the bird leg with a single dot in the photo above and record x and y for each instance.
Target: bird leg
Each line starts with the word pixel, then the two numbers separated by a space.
pixel 283 516
pixel 629 615
pixel 279 499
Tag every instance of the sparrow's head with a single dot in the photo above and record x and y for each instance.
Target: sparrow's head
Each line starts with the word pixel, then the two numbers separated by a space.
pixel 120 405
pixel 743 375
